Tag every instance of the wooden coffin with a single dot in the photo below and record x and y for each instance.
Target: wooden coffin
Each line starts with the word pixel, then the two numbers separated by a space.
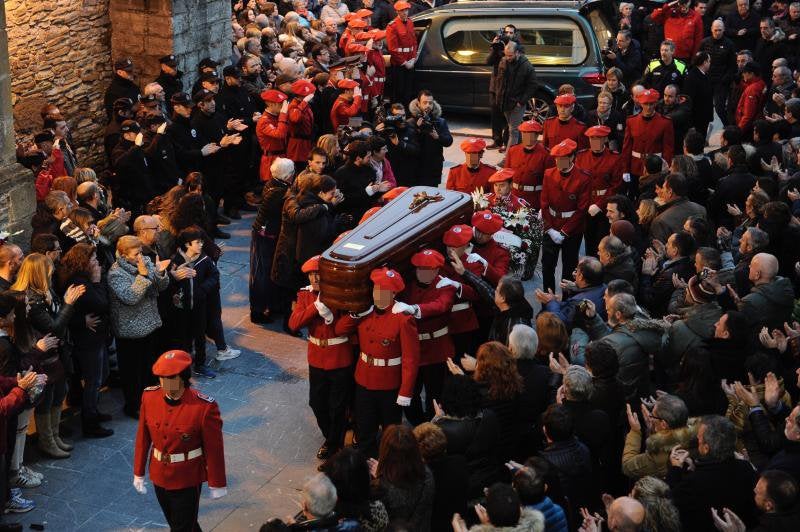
pixel 389 237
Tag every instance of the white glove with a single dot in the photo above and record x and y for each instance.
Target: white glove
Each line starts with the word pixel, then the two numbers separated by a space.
pixel 555 236
pixel 218 493
pixel 403 401
pixel 474 257
pixel 162 128
pixel 57 144
pixel 594 210
pixel 361 314
pixel 444 281
pixel 626 177
pixel 139 139
pixel 403 308
pixel 323 311
pixel 138 484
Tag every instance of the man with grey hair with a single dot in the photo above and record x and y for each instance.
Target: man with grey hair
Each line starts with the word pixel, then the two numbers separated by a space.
pixel 516 84
pixel 588 285
pixel 319 502
pixel 717 479
pixel 781 90
pixel 537 381
pixel 617 260
pixel 791 115
pixel 523 342
pixel 723 66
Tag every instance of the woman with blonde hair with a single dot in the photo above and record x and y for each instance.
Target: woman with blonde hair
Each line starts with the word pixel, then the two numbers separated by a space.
pixel 647 212
pixel 48 314
pixel 330 144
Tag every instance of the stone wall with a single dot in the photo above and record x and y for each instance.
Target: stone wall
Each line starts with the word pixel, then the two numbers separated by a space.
pixel 60 52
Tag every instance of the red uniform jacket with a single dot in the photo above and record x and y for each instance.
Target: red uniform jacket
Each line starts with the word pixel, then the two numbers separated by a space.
pixel 301 128
pixel 606 170
pixel 194 423
pixel 435 345
pixel 498 258
pixel 401 41
pixel 378 80
pixel 462 315
pixel 555 131
pixel 342 110
pixel 385 336
pixel 325 357
pixel 645 136
pixel 271 132
pixel 12 400
pixel 562 194
pixel 748 110
pixel 463 179
pixel 685 30
pixel 346 37
pixel 529 166
pixel 511 203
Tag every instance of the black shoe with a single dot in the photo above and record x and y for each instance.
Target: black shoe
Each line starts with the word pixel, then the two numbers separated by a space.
pixel 233 214
pixel 93 429
pixel 259 318
pixel 218 233
pixel 132 413
pixel 502 149
pixel 248 208
pixel 10 527
pixel 102 418
pixel 223 220
pixel 324 453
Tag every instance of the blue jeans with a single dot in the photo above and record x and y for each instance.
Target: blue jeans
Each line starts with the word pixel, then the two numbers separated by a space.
pixel 514 119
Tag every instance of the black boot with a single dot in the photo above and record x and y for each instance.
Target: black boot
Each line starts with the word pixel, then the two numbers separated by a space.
pixel 93 429
pixel 259 318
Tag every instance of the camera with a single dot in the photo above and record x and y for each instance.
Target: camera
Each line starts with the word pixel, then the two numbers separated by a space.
pixel 427 124
pixel 583 306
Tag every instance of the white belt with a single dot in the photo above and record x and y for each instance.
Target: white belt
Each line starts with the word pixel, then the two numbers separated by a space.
pixel 403 49
pixel 527 188
pixel 379 80
pixel 325 342
pixel 601 192
pixel 435 334
pixel 372 361
pixel 641 156
pixel 563 214
pixel 460 306
pixel 175 458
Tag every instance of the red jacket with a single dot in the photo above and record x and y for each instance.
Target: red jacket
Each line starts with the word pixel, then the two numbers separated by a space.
pixel 378 80
pixel 498 258
pixel 562 194
pixel 528 168
pixel 12 400
pixel 271 132
pixel 435 345
pixel 304 314
pixel 685 30
pixel 606 170
pixel 401 41
pixel 645 136
pixel 748 110
pixel 301 128
pixel 462 316
pixel 385 337
pixel 342 110
pixel 555 131
pixel 463 179
pixel 193 423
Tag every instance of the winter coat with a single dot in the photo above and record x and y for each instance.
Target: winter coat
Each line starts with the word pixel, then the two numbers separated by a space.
pixel 727 358
pixel 684 29
pixel 134 306
pixel 451 479
pixel 693 330
pixel 530 520
pixel 630 63
pixel 504 321
pixel 353 180
pixel 516 83
pixel 93 301
pixel 656 290
pixel 51 318
pixel 766 52
pixel 315 235
pixel 404 156
pixel 412 504
pixel 734 22
pixel 654 460
pixel 672 216
pixel 567 310
pixel 769 304
pixel 623 267
pixel 133 184
pixel 698 88
pixel 573 462
pixel 723 60
pixel 749 107
pixel 734 189
pixel 285 265
pixel 119 88
pixel 431 151
pixel 269 212
pixel 193 293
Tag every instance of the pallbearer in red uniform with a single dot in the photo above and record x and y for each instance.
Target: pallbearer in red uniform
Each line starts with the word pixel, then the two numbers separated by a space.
pixel 563 125
pixel 473 173
pixel 402 43
pixel 528 160
pixel 503 194
pixel 330 361
pixel 376 68
pixel 347 105
pixel 493 257
pixel 354 25
pixel 180 434
pixel 301 124
pixel 388 359
pixel 565 198
pixel 430 304
pixel 272 130
pixel 648 133
pixel 463 321
pixel 606 169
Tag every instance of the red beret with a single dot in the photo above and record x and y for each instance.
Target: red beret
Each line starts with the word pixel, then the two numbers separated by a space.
pixel 393 193
pixel 648 96
pixel 311 265
pixel 368 214
pixel 473 145
pixel 457 236
pixel 273 96
pixel 531 126
pixel 504 174
pixel 303 87
pixel 487 222
pixel 349 16
pixel 564 148
pixel 357 23
pixel 363 36
pixel 401 4
pixel 387 279
pixel 363 13
pixel 347 83
pixel 598 131
pixel 172 363
pixel 377 34
pixel 427 258
pixel 565 99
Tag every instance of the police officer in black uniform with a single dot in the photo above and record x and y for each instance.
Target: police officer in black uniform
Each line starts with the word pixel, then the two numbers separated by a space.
pixel 170 78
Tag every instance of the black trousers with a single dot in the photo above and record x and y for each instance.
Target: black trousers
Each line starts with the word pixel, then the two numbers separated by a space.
pixel 374 409
pixel 329 393
pixel 180 507
pixel 402 84
pixel 465 343
pixel 264 293
pixel 569 258
pixel 597 227
pixel 190 331
pixel 499 125
pixel 721 95
pixel 135 357
pixel 430 377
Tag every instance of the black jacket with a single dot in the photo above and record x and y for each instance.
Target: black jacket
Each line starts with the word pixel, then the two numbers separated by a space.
pixel 93 301
pixel 352 181
pixel 516 83
pixel 185 144
pixel 286 265
pixel 211 128
pixel 316 234
pixel 723 60
pixel 656 290
pixel 236 102
pixel 451 477
pixel 119 88
pixel 160 153
pixel 132 183
pixel 629 62
pixel 193 294
pixel 404 156
pixel 734 22
pixel 171 85
pixel 698 87
pixel 382 14
pixel 269 212
pixel 734 189
pixel 431 150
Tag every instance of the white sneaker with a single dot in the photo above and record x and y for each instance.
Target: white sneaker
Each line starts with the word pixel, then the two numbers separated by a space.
pixel 228 353
pixel 28 472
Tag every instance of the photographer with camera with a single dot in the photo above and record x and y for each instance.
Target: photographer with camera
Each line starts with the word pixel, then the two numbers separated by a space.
pixel 499 125
pixel 433 136
pixel 625 54
pixel 401 143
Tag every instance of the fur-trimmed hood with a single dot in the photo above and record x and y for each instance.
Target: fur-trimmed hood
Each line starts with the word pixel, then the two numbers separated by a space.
pixel 414 110
pixel 663 442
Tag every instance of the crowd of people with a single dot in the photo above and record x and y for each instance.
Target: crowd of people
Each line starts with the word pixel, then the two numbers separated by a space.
pixel 656 389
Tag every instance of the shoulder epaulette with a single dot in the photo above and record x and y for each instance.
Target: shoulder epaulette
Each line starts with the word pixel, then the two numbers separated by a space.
pixel 152 388
pixel 204 397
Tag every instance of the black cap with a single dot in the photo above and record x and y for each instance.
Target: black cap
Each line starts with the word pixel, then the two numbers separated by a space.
pixel 231 71
pixel 169 60
pixel 123 104
pixel 203 95
pixel 752 67
pixel 155 120
pixel 181 98
pixel 124 63
pixel 43 136
pixel 150 99
pixel 130 126
pixel 210 76
pixel 207 63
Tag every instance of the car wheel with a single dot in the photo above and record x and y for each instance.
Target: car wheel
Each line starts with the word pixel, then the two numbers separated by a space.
pixel 538 108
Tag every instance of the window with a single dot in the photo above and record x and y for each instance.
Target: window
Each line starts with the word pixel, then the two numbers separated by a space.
pixel 548 41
